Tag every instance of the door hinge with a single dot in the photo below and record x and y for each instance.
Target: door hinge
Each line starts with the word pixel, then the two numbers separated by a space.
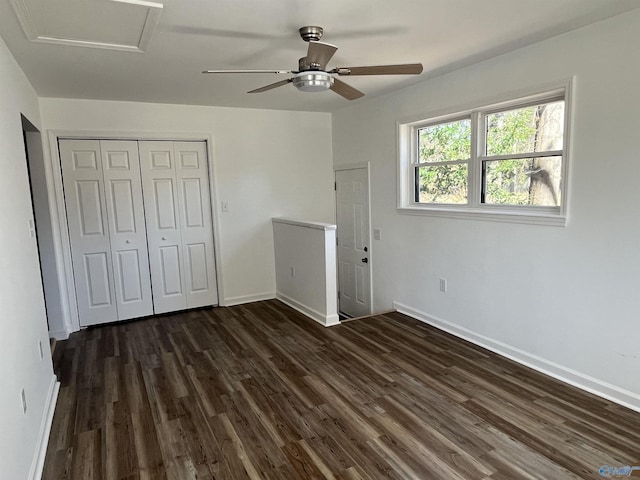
pixel 335 186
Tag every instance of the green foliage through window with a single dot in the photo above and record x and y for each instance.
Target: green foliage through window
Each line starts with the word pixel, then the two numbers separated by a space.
pixel 445 142
pixel 523 181
pixel 443 183
pixel 444 152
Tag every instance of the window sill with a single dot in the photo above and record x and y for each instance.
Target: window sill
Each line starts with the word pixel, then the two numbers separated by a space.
pixel 488 215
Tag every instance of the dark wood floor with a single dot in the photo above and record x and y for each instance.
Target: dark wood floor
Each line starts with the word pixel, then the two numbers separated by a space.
pixel 260 392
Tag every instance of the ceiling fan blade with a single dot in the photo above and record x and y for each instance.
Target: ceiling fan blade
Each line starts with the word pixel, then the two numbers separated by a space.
pixel 272 86
pixel 249 71
pixel 347 91
pixel 320 53
pixel 403 69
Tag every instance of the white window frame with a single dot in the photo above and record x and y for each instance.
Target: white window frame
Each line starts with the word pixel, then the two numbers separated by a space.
pixel 459 161
pixel 474 209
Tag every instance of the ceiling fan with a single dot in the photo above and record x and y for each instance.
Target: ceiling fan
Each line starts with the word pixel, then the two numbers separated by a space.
pixel 312 74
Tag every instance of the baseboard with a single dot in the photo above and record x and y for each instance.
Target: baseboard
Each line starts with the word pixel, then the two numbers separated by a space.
pixel 363 317
pixel 577 379
pixel 324 320
pixel 37 465
pixel 231 301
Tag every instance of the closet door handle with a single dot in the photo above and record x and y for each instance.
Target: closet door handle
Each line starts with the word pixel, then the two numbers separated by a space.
pixel 164 238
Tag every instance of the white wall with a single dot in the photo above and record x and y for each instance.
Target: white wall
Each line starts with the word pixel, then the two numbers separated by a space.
pixel 22 313
pixel 563 299
pixel 267 164
pixel 305 254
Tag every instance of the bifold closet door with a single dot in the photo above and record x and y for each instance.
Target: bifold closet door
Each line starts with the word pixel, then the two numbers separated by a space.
pixel 88 230
pixel 127 230
pixel 105 214
pixel 178 216
pixel 197 229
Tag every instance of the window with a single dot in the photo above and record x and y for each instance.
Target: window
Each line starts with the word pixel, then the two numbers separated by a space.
pixel 522 155
pixel 442 166
pixel 505 161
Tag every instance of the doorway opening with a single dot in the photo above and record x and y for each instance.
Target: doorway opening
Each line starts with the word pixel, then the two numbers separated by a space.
pixel 41 227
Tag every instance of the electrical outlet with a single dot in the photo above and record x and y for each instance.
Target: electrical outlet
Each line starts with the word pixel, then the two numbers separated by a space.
pixel 23 399
pixel 293 271
pixel 40 349
pixel 443 285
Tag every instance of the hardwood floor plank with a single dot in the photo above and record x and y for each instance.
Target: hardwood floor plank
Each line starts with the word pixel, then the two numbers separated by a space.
pixel 538 444
pixel 119 447
pixel 89 405
pixel 147 448
pixel 135 392
pixel 302 462
pixel 196 434
pixel 331 453
pixel 63 425
pixel 259 391
pixel 357 447
pixel 265 454
pixel 240 452
pixel 164 405
pixel 87 456
pixel 206 386
pixel 458 456
pixel 58 464
pixel 174 449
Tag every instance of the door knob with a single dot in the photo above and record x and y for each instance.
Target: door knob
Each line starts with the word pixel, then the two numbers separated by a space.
pixel 128 241
pixel 365 260
pixel 164 238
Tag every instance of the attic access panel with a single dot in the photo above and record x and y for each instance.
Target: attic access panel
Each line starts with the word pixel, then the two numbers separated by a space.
pixel 107 24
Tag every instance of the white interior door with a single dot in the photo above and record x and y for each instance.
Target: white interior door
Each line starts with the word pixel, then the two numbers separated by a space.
pixel 354 267
pixel 88 230
pixel 127 231
pixel 166 257
pixel 197 232
pixel 179 229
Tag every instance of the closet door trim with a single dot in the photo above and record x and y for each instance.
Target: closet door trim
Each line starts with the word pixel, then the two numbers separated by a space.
pixel 59 215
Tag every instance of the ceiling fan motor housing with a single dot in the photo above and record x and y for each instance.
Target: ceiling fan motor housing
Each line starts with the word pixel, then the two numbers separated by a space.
pixel 303 65
pixel 311 33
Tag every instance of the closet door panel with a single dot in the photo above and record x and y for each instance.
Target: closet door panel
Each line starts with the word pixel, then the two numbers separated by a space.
pixel 98 285
pixel 88 231
pixel 170 271
pixel 197 231
pixel 166 256
pixel 125 209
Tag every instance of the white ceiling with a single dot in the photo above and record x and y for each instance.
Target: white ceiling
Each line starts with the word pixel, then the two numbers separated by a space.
pixel 194 35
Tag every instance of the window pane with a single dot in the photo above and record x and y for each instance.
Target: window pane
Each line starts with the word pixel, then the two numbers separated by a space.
pixel 525 181
pixel 442 184
pixel 445 142
pixel 537 128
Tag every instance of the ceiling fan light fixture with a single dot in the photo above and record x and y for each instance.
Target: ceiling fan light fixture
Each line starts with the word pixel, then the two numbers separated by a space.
pixel 313 81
